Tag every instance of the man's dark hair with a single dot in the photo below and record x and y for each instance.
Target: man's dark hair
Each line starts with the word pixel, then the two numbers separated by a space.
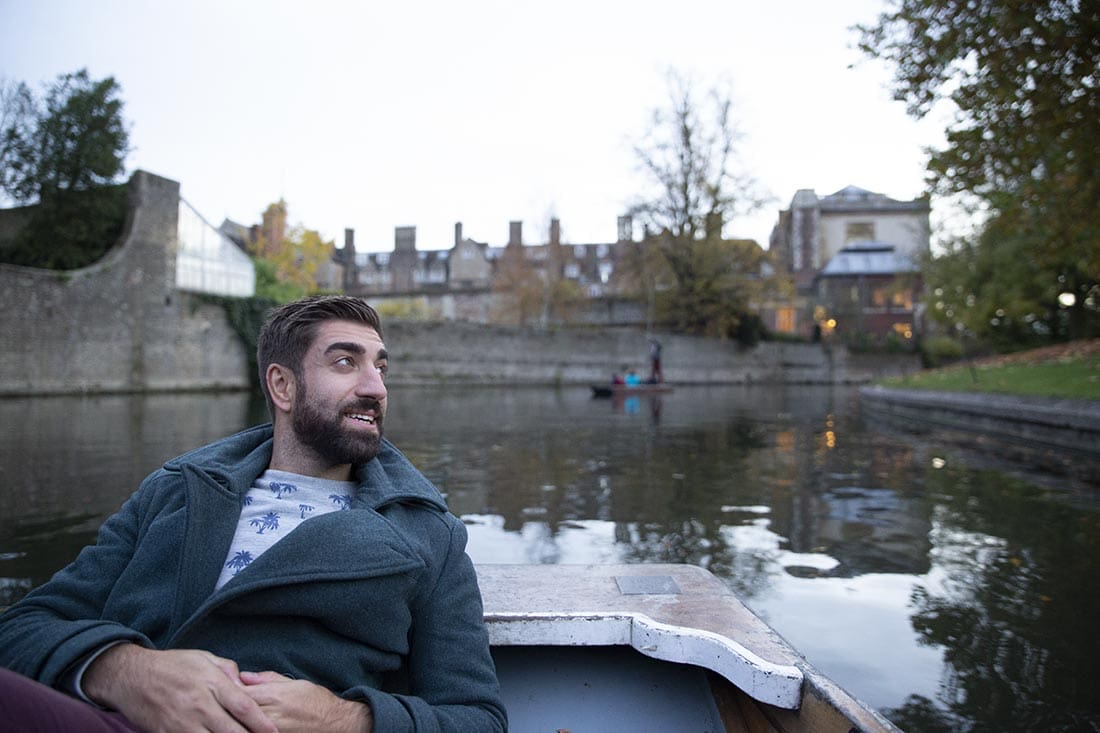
pixel 290 329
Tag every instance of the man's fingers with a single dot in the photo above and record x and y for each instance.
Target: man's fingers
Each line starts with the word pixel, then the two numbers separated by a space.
pixel 246 711
pixel 259 678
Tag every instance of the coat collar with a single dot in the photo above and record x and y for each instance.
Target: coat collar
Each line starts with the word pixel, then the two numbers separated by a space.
pixel 236 461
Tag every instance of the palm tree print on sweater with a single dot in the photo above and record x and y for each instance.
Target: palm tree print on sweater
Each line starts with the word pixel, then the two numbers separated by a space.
pixel 240 561
pixel 267 521
pixel 305 509
pixel 342 501
pixel 278 489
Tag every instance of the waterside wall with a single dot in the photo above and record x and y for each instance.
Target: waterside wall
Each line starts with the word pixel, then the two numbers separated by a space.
pixel 479 354
pixel 119 325
pixel 1037 423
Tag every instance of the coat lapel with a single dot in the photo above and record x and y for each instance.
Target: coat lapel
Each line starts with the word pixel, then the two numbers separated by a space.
pixel 212 515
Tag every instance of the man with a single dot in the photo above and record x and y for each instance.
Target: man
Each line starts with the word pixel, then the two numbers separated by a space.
pixel 655 376
pixel 299 576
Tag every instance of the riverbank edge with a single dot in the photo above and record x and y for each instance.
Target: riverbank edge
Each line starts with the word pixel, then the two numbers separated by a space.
pixel 1065 424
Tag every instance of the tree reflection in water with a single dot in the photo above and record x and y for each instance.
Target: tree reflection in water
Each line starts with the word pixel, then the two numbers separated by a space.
pixel 1016 610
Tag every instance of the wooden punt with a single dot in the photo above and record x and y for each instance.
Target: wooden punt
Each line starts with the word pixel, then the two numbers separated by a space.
pixel 657 647
pixel 629 390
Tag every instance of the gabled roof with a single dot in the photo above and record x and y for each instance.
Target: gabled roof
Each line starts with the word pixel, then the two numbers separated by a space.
pixel 851 199
pixel 867 258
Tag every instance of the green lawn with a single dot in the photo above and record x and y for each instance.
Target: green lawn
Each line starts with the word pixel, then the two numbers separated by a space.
pixel 1077 378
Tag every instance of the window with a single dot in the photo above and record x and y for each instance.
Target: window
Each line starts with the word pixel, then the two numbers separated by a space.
pixel 903 299
pixel 904 330
pixel 859 231
pixel 784 320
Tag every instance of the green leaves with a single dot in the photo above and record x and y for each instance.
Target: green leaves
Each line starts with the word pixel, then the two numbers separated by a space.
pixel 1023 80
pixel 62 153
pixel 72 140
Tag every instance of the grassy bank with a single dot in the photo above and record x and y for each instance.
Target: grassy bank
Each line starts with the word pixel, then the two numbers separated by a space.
pixel 1068 371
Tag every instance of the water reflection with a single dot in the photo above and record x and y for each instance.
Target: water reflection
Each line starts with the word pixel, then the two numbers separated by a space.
pixel 953 596
pixel 68 462
pixel 1016 609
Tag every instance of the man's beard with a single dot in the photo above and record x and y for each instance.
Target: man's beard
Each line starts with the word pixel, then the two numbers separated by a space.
pixel 325 434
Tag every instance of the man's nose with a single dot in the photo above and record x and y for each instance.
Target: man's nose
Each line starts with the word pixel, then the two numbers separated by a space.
pixel 372 384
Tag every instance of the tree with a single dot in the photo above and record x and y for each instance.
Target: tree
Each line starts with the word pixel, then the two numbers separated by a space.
pixel 300 258
pixel 288 267
pixel 534 290
pixel 520 288
pixel 62 153
pixel 1023 81
pixel 704 283
pixel 17 116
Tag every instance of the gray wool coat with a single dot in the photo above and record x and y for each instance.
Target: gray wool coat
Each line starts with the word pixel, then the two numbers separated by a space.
pixel 379 603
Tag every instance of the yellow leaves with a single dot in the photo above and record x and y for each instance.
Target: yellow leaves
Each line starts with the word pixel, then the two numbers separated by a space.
pixel 297 256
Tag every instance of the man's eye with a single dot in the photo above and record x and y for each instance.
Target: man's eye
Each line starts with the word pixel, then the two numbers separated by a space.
pixel 382 369
pixel 345 361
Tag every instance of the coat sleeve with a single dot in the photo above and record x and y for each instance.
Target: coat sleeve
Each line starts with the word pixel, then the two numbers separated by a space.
pixel 452 679
pixel 60 622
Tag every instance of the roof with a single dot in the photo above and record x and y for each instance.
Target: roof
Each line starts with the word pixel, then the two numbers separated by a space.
pixel 867 258
pixel 851 199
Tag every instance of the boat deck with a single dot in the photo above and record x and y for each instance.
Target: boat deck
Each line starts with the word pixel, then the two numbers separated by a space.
pixel 677 613
pixel 649 647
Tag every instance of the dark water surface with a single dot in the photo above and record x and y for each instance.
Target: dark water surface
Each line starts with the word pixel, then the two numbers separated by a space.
pixel 937 582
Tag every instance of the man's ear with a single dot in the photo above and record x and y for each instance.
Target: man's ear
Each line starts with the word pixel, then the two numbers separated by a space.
pixel 281 386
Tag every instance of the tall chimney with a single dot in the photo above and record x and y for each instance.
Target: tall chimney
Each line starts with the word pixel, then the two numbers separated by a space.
pixel 458 233
pixel 404 239
pixel 515 233
pixel 626 228
pixel 350 273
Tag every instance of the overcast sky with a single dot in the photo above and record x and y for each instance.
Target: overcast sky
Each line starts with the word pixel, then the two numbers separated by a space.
pixel 371 116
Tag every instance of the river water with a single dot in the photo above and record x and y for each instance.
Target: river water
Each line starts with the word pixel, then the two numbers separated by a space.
pixel 932 578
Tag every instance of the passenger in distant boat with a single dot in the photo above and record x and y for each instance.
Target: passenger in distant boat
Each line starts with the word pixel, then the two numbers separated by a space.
pixel 298 576
pixel 617 378
pixel 632 378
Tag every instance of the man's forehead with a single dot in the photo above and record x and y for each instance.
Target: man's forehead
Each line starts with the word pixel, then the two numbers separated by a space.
pixel 331 332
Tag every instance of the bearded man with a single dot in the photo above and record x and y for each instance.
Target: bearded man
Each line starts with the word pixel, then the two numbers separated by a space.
pixel 298 576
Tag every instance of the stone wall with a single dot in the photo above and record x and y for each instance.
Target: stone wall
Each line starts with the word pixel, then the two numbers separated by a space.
pixel 1039 423
pixel 479 354
pixel 118 325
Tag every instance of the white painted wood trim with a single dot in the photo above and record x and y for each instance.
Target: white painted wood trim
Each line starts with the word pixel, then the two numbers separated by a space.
pixel 768 682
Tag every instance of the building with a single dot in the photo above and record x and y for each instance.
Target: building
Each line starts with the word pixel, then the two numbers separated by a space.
pixel 853 258
pixel 476 281
pixel 868 290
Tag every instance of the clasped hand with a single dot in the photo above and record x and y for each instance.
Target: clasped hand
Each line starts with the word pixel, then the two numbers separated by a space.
pixel 187 690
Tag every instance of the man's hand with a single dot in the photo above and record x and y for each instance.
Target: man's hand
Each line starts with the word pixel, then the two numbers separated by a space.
pixel 174 690
pixel 299 706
